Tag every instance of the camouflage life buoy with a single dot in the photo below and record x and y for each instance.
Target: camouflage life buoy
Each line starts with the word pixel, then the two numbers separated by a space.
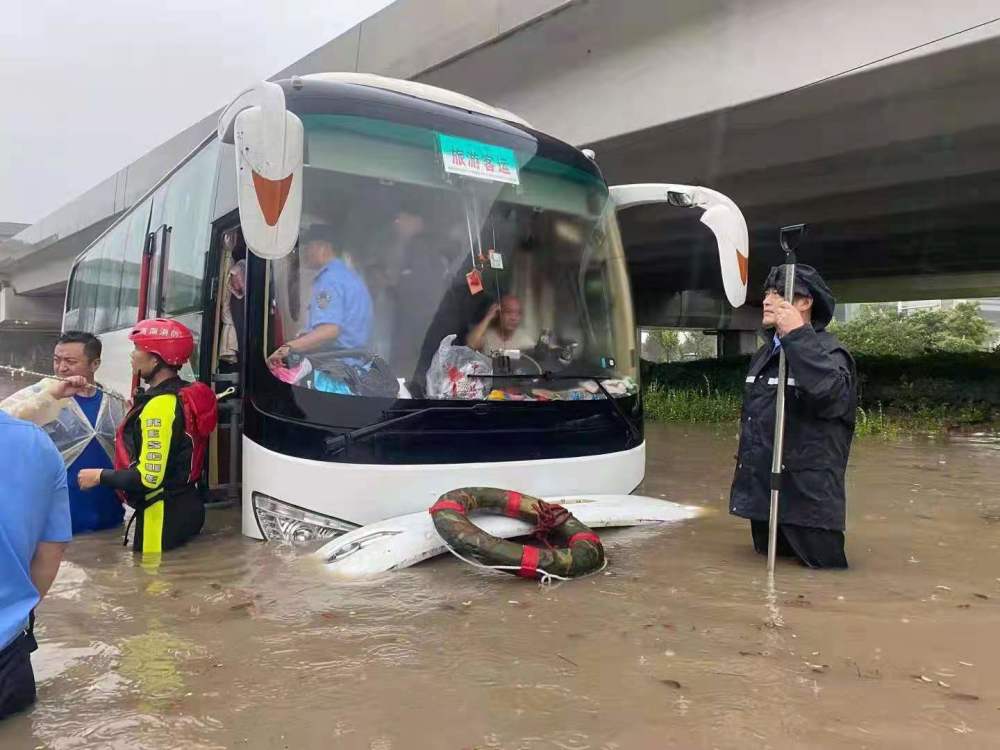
pixel 581 551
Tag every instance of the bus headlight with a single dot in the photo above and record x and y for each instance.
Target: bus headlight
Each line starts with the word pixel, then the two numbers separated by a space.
pixel 282 522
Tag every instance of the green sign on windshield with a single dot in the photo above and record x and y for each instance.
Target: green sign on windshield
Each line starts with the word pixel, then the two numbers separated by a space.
pixel 482 160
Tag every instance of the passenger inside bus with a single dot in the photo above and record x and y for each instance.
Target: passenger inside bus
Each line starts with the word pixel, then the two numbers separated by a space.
pixel 339 318
pixel 500 330
pixel 233 313
pixel 406 273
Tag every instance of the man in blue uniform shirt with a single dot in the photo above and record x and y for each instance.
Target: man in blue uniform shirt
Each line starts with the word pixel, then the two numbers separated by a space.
pixel 340 306
pixel 34 530
pixel 81 420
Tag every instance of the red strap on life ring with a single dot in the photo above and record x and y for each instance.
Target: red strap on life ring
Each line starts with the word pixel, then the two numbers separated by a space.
pixel 584 536
pixel 529 562
pixel 513 504
pixel 446 505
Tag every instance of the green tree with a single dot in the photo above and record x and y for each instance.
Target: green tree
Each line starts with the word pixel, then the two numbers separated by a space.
pixel 886 332
pixel 671 343
pixel 697 345
pixel 965 329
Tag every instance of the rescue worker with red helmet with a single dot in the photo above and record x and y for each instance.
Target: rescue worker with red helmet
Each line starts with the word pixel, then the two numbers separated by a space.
pixel 161 444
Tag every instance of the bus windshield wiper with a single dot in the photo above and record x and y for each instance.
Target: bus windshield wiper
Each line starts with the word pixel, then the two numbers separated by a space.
pixel 342 442
pixel 597 379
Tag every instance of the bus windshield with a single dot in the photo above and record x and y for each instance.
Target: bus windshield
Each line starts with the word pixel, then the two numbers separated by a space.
pixel 437 266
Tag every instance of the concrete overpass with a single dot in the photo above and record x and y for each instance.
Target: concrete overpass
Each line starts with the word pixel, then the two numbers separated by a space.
pixel 874 122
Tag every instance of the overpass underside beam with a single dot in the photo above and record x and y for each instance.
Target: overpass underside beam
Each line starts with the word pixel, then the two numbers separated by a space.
pixel 896 170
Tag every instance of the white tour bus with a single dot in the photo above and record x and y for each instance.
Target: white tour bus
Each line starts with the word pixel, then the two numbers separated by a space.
pixel 438 208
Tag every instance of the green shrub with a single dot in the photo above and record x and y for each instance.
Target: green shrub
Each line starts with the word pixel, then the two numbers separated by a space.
pixel 879 331
pixel 933 392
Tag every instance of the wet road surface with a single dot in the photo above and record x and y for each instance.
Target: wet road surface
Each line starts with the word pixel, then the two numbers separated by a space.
pixel 233 643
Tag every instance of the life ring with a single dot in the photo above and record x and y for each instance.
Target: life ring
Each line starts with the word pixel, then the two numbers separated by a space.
pixel 580 551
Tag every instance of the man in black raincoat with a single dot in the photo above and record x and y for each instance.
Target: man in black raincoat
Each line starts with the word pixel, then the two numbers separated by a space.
pixel 820 405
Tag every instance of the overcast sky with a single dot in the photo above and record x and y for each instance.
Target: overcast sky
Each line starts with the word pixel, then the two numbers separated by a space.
pixel 87 86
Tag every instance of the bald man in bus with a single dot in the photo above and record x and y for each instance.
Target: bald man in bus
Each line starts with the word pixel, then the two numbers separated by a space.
pixel 500 329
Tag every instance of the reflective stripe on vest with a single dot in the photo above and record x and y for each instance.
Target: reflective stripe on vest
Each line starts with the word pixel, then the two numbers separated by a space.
pixel 157 425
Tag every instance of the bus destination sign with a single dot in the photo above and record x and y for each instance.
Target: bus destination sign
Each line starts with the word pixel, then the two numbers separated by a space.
pixel 474 159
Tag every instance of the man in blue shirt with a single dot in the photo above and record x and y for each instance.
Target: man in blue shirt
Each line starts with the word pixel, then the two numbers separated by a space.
pixel 34 530
pixel 81 422
pixel 340 306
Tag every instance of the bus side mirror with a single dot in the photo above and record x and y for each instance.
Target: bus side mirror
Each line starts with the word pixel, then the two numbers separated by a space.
pixel 269 147
pixel 720 215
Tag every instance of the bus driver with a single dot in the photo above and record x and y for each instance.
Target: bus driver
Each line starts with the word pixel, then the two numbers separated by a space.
pixel 500 329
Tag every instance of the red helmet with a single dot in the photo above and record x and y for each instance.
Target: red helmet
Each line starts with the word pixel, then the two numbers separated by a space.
pixel 167 338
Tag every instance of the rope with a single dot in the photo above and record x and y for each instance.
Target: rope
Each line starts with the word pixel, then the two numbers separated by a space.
pixel 112 393
pixel 550 516
pixel 22 371
pixel 545 579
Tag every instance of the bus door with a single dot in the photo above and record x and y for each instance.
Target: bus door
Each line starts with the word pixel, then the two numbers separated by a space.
pixel 224 337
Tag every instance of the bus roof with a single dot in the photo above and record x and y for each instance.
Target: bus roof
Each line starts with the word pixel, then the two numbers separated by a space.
pixel 419 90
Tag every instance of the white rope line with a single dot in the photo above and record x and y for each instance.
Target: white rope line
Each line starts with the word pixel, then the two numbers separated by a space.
pixel 546 577
pixel 21 371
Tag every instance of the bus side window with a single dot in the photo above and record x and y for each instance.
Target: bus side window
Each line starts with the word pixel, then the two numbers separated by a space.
pixel 84 296
pixel 109 280
pixel 71 317
pixel 131 258
pixel 184 204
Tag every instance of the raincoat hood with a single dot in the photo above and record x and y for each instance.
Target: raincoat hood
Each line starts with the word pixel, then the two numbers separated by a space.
pixel 808 283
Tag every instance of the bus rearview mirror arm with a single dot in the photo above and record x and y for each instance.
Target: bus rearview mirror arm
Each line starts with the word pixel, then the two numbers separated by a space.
pixel 269 145
pixel 719 213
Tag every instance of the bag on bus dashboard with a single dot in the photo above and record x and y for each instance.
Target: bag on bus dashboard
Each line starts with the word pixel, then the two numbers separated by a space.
pixel 370 377
pixel 449 374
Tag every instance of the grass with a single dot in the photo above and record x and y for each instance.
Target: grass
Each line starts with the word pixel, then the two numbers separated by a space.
pixel 708 404
pixel 712 405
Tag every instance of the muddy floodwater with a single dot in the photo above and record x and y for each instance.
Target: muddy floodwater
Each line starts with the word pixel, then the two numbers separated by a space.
pixel 231 643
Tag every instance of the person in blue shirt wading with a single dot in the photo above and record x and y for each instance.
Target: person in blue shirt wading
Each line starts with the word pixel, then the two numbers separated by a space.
pixel 34 530
pixel 81 420
pixel 340 307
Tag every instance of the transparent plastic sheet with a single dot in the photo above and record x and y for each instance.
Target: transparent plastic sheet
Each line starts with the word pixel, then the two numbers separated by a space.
pixel 449 374
pixel 34 403
pixel 111 415
pixel 64 421
pixel 71 432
